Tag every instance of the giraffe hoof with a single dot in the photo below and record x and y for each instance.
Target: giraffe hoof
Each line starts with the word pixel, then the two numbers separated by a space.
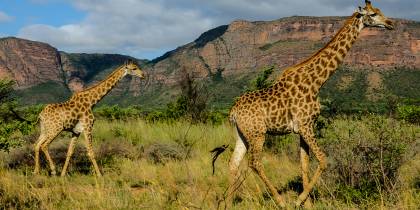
pixel 282 205
pixel 308 204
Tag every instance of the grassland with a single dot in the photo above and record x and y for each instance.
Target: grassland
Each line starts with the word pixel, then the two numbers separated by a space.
pixel 167 165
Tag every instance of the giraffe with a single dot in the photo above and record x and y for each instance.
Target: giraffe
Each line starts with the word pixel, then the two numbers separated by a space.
pixel 75 116
pixel 291 105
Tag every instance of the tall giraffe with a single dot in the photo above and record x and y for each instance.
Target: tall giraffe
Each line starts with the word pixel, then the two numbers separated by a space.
pixel 75 116
pixel 291 105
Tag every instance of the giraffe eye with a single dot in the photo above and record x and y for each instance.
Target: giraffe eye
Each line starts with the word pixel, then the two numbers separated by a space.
pixel 373 15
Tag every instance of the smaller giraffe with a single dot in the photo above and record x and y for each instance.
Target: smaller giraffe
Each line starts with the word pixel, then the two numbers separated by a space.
pixel 75 116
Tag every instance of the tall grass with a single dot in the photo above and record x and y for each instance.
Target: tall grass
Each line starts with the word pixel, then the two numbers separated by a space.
pixel 132 181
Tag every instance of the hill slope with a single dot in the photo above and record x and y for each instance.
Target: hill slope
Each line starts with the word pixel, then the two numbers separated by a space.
pixel 44 74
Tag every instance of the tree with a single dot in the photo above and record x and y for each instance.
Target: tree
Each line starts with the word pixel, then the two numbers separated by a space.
pixel 194 98
pixel 262 81
pixel 11 123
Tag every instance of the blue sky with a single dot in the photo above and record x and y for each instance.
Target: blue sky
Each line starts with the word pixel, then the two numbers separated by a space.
pixel 27 12
pixel 148 28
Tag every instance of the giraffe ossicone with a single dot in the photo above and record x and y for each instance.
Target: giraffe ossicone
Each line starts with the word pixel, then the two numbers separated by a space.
pixel 75 116
pixel 291 105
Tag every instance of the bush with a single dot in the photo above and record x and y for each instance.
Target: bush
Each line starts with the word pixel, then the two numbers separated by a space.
pixel 12 125
pixel 191 104
pixel 262 81
pixel 365 156
pixel 160 153
pixel 217 117
pixel 117 113
pixel 410 113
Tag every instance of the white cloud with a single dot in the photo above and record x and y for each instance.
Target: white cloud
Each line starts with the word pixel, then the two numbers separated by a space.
pixel 148 27
pixel 4 17
pixel 123 26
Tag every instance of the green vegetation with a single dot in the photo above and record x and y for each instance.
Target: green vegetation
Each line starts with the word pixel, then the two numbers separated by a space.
pixel 12 125
pixel 261 81
pixel 118 113
pixel 410 113
pixel 347 99
pixel 159 158
pixel 94 63
pixel 373 164
pixel 367 153
pixel 49 92
pixel 403 83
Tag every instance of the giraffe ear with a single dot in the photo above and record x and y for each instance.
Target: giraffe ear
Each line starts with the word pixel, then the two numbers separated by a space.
pixel 361 10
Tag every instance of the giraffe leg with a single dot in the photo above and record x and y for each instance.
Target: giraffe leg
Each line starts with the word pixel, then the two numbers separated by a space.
pixel 69 154
pixel 255 151
pixel 40 141
pixel 88 138
pixel 309 138
pixel 235 161
pixel 304 159
pixel 44 148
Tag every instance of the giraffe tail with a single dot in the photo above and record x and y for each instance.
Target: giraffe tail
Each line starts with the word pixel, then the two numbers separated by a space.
pixel 216 152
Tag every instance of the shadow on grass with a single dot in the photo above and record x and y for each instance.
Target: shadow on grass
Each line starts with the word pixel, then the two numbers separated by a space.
pixel 296 185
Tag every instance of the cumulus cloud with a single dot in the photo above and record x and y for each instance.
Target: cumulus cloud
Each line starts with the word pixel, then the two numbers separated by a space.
pixel 4 17
pixel 123 26
pixel 146 28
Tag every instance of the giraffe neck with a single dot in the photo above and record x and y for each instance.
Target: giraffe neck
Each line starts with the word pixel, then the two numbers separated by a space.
pixel 324 63
pixel 94 94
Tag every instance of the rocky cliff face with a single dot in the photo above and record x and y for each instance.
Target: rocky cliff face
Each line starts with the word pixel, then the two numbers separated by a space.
pixel 243 47
pixel 32 63
pixel 29 63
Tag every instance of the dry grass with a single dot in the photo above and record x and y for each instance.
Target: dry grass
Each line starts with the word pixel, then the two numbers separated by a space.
pixel 131 181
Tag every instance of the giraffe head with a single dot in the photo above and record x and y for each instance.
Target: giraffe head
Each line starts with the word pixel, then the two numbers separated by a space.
pixel 132 68
pixel 373 17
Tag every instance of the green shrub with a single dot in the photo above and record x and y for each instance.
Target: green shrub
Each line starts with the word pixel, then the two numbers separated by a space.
pixel 261 81
pixel 365 155
pixel 191 104
pixel 160 153
pixel 410 113
pixel 117 113
pixel 217 117
pixel 12 125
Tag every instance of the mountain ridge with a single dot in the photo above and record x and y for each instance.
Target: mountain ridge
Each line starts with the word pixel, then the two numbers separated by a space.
pixel 239 51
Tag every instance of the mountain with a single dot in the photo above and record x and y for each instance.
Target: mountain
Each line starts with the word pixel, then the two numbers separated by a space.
pixel 244 46
pixel 29 63
pixel 230 56
pixel 226 58
pixel 44 74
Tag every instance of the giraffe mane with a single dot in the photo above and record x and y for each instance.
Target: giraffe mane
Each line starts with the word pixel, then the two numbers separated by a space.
pixel 98 83
pixel 348 21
